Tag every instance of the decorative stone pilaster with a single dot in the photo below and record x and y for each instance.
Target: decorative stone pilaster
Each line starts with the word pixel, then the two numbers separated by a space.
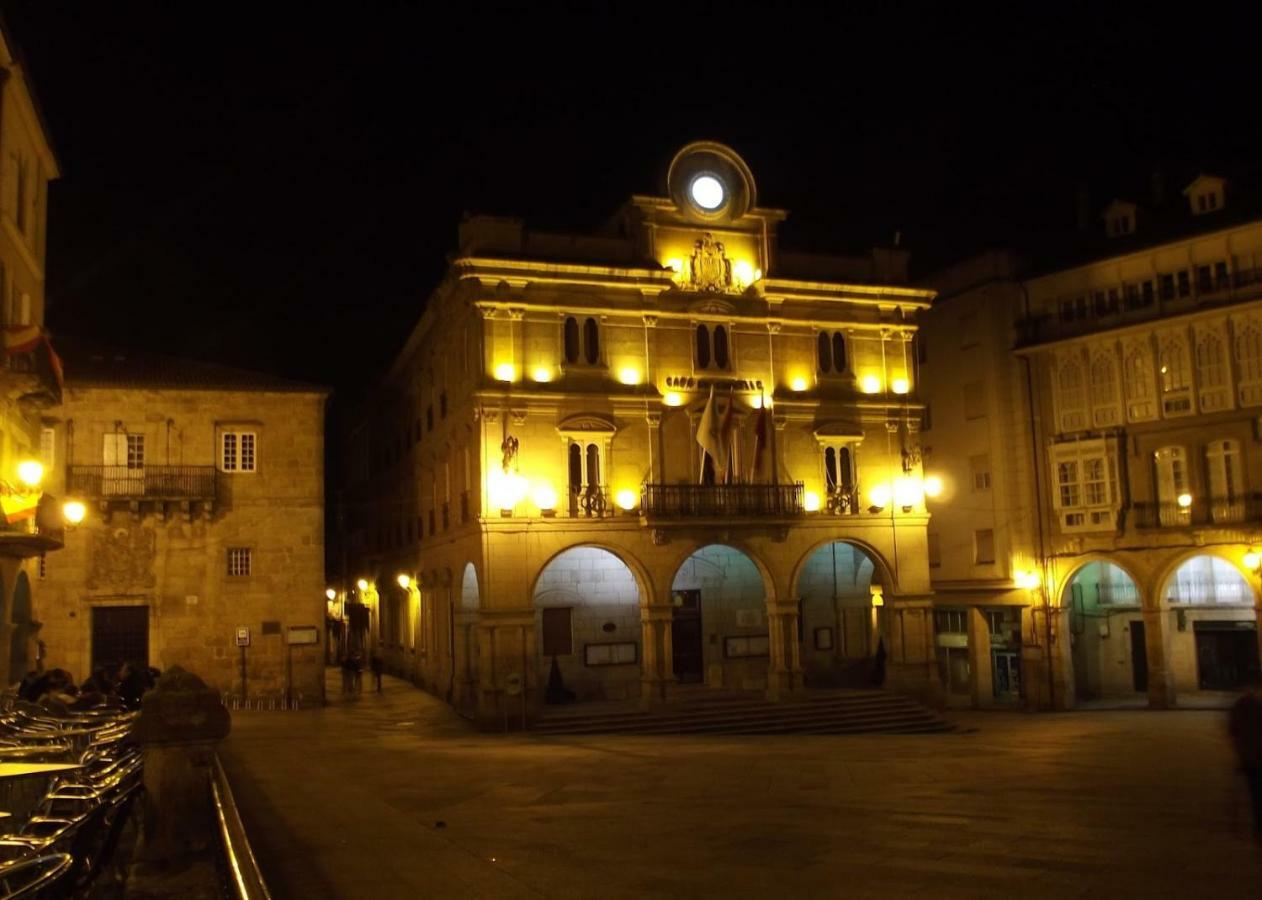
pixel 911 659
pixel 657 670
pixel 1157 627
pixel 784 668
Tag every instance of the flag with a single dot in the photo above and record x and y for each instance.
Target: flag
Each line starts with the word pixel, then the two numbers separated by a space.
pixel 708 434
pixel 18 506
pixel 727 433
pixel 21 338
pixel 762 459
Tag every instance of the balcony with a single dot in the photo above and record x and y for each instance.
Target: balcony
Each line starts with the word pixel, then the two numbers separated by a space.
pixel 1238 286
pixel 1203 511
pixel 154 483
pixel 592 501
pixel 721 501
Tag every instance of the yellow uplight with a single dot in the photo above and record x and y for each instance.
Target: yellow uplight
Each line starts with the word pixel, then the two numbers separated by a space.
pixel 505 372
pixel 73 511
pixel 907 492
pixel 1027 580
pixel 933 486
pixel 880 496
pixel 675 263
pixel 627 499
pixel 629 375
pixel 798 384
pixel 405 581
pixel 811 501
pixel 870 384
pixel 900 385
pixel 545 497
pixel 1184 501
pixel 1253 560
pixel 756 401
pixel 362 584
pixel 507 490
pixel 331 594
pixel 673 398
pixel 541 374
pixel 743 273
pixel 30 472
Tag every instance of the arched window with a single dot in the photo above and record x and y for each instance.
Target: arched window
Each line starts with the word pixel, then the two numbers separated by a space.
pixel 703 347
pixel 720 346
pixel 1249 363
pixel 1073 396
pixel 576 466
pixel 593 464
pixel 830 468
pixel 839 352
pixel 591 341
pixel 832 351
pixel 571 340
pixel 825 353
pixel 1103 391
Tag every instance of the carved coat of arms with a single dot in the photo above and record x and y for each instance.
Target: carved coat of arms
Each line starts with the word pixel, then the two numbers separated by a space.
pixel 711 269
pixel 122 558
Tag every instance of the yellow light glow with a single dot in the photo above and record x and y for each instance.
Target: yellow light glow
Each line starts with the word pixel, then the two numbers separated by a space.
pixel 877 593
pixel 900 385
pixel 743 273
pixel 1027 580
pixel 541 374
pixel 331 594
pixel 362 584
pixel 908 492
pixel 880 496
pixel 798 383
pixel 756 401
pixel 1253 560
pixel 673 398
pixel 545 497
pixel 757 274
pixel 629 375
pixel 506 490
pixel 73 511
pixel 627 499
pixel 405 581
pixel 505 372
pixel 30 472
pixel 933 486
pixel 1184 501
pixel 870 384
pixel 675 263
pixel 811 501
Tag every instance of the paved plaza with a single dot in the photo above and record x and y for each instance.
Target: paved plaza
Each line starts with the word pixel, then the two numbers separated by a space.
pixel 393 796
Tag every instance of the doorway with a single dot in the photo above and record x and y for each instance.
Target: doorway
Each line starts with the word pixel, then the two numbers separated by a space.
pixel 1139 657
pixel 1006 671
pixel 685 637
pixel 1226 655
pixel 120 634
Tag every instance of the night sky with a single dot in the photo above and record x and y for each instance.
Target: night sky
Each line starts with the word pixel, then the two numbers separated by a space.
pixel 279 189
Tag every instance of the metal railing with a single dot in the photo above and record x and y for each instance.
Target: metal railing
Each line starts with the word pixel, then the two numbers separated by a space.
pixel 591 501
pixel 146 482
pixel 245 878
pixel 721 500
pixel 1242 284
pixel 1201 511
pixel 843 502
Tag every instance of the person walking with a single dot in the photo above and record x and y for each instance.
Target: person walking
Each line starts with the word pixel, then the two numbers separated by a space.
pixel 1244 723
pixel 357 674
pixel 377 664
pixel 348 677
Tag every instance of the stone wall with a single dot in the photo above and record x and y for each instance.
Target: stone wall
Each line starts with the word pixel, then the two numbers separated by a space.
pixel 733 604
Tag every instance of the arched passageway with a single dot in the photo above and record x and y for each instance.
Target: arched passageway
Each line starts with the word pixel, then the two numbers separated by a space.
pixel 1214 638
pixel 1108 638
pixel 466 651
pixel 836 629
pixel 587 622
pixel 719 632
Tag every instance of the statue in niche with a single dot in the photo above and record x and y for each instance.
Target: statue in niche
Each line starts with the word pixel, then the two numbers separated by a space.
pixel 122 558
pixel 711 269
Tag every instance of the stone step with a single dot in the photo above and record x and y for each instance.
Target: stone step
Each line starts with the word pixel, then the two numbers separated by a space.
pixel 576 715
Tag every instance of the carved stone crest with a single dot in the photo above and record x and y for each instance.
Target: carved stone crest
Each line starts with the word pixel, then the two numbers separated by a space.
pixel 122 558
pixel 711 269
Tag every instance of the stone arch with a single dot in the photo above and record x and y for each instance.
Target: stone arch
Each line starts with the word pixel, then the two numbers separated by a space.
pixel 1062 590
pixel 644 582
pixel 470 592
pixel 1167 573
pixel 587 601
pixel 882 573
pixel 764 571
pixel 1107 631
pixel 837 623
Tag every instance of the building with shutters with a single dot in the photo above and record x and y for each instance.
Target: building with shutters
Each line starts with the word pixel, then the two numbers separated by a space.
pixel 203 487
pixel 609 466
pixel 1101 457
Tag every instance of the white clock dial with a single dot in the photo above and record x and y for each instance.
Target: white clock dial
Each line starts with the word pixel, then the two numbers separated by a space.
pixel 707 192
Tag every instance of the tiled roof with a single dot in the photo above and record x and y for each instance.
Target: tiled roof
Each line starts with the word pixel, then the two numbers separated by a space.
pixel 88 364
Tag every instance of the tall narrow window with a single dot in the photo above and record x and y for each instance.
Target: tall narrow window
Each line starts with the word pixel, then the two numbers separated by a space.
pixel 1172 483
pixel 1226 481
pixel 1249 363
pixel 825 353
pixel 576 467
pixel 1104 411
pixel 839 352
pixel 1176 397
pixel 984 546
pixel 703 347
pixel 832 352
pixel 1073 396
pixel 1211 372
pixel 571 340
pixel 591 341
pixel 720 346
pixel 593 464
pixel 830 468
pixel 979 467
pixel 1139 393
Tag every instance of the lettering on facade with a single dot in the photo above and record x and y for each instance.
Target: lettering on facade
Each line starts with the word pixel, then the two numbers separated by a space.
pixel 122 558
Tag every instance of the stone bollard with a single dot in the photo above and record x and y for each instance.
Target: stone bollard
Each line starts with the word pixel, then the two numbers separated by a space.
pixel 181 721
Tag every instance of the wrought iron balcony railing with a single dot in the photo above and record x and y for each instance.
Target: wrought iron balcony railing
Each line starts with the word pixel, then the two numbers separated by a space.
pixel 720 501
pixel 144 483
pixel 1201 511
pixel 843 502
pixel 592 501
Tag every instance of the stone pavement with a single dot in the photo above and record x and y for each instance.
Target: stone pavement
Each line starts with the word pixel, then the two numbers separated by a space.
pixel 394 796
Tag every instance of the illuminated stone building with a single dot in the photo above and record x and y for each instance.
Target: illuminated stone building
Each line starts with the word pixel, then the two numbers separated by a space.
pixel 29 380
pixel 526 489
pixel 203 487
pixel 1096 424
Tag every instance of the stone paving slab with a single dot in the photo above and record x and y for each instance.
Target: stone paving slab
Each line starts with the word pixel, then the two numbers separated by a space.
pixel 344 802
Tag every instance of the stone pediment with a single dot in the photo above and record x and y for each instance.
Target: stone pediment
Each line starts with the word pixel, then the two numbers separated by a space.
pixel 838 431
pixel 587 423
pixel 712 306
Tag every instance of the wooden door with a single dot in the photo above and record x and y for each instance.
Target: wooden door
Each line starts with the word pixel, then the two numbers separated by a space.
pixel 120 634
pixel 686 640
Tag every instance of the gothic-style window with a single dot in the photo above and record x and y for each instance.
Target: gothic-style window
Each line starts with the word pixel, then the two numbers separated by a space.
pixel 1073 396
pixel 1211 372
pixel 1103 391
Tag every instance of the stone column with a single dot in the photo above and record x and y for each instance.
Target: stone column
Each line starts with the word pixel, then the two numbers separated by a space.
pixel 657 669
pixel 784 668
pixel 1157 627
pixel 181 722
pixel 981 677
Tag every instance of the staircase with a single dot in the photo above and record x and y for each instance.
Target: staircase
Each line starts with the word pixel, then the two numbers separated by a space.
pixel 701 711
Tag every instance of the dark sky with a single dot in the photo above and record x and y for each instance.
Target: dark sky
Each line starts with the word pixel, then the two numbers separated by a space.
pixel 278 188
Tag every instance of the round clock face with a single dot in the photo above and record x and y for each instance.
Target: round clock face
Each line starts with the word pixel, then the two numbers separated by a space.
pixel 707 192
